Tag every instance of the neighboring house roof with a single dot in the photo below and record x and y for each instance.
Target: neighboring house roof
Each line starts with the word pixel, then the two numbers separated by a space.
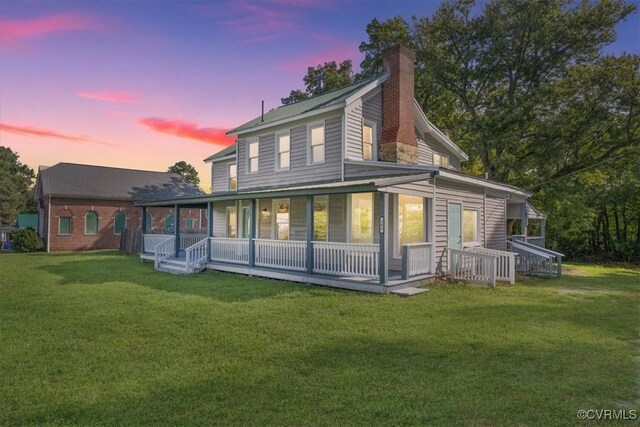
pixel 314 105
pixel 224 154
pixel 100 182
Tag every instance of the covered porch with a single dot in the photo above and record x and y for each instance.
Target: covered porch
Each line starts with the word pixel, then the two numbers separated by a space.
pixel 372 236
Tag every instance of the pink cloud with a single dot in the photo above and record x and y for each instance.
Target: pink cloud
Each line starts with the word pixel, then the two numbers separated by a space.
pixel 45 133
pixel 15 31
pixel 184 129
pixel 110 96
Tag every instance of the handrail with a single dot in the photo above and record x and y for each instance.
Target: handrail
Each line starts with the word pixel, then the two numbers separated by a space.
pixel 472 267
pixel 196 254
pixel 531 248
pixel 543 264
pixel 505 264
pixel 164 250
pixel 416 259
pixel 540 248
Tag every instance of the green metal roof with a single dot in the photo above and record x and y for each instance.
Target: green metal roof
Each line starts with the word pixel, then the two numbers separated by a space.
pixel 230 150
pixel 290 111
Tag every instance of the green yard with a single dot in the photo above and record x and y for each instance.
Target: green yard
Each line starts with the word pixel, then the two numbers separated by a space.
pixel 97 338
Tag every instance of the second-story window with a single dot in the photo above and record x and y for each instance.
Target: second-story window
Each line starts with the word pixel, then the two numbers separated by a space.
pixel 233 177
pixel 283 150
pixel 316 143
pixel 368 141
pixel 440 160
pixel 252 165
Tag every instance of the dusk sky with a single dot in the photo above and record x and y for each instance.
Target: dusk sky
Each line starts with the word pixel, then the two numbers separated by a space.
pixel 143 84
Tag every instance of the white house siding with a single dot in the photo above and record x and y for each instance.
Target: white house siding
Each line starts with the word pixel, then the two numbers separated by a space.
pixel 368 108
pixel 220 176
pixel 299 171
pixel 220 218
pixel 470 197
pixel 496 223
pixel 428 145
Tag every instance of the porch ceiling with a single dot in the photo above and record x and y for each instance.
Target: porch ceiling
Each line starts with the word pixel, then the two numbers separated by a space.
pixel 339 187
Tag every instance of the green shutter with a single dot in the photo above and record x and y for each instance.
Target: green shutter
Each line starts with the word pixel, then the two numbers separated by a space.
pixel 149 222
pixel 64 226
pixel 91 223
pixel 119 222
pixel 169 221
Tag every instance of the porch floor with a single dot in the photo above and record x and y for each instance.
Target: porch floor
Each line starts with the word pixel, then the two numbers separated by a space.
pixel 364 284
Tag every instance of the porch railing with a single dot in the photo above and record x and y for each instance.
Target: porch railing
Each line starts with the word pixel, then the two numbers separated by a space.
pixel 472 267
pixel 282 254
pixel 534 260
pixel 164 250
pixel 348 259
pixel 224 249
pixel 505 263
pixel 416 259
pixel 149 241
pixel 533 240
pixel 195 255
pixel 188 239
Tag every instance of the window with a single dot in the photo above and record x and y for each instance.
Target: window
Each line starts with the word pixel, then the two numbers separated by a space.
pixel 470 226
pixel 361 218
pixel 440 160
pixel 64 225
pixel 232 222
pixel 91 223
pixel 233 177
pixel 316 143
pixel 189 224
pixel 169 222
pixel 252 165
pixel 281 218
pixel 119 222
pixel 283 150
pixel 149 220
pixel 368 141
pixel 321 218
pixel 410 225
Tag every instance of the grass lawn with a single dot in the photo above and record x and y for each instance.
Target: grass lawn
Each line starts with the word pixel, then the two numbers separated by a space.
pixel 96 338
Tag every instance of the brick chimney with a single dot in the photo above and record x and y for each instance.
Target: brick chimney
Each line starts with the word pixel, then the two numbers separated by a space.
pixel 398 141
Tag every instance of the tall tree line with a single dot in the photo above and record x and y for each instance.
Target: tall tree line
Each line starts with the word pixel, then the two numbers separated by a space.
pixel 525 88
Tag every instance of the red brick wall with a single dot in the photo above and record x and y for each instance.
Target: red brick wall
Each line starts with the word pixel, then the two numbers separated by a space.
pixel 106 209
pixel 398 140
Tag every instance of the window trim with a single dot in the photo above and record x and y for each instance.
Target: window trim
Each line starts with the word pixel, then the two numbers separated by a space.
pixel 229 177
pixel 478 241
pixel 374 139
pixel 97 223
pixel 350 215
pixel 274 219
pixel 276 161
pixel 227 223
pixel 250 141
pixel 397 251
pixel 126 218
pixel 193 223
pixel 311 126
pixel 70 229
pixel 326 196
pixel 442 156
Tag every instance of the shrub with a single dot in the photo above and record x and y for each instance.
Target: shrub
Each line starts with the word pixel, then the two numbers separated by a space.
pixel 27 240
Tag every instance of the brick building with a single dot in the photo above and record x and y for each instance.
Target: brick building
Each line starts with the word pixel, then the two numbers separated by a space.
pixel 85 207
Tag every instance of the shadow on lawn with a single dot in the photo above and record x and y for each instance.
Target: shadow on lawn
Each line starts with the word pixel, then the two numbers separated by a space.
pixel 110 267
pixel 363 381
pixel 596 278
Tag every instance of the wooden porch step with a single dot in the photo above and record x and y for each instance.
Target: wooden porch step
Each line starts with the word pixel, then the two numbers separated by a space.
pixel 408 292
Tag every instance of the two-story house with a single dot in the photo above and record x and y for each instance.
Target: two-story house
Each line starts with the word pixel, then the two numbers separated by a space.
pixel 353 188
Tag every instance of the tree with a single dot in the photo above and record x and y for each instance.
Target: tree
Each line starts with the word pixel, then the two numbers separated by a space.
pixel 382 35
pixel 186 170
pixel 321 79
pixel 15 185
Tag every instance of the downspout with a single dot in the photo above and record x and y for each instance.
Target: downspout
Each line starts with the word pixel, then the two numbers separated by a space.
pixel 433 225
pixel 49 225
pixel 343 145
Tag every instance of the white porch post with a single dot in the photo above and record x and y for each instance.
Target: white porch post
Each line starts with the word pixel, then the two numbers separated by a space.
pixel 209 227
pixel 252 233
pixel 384 238
pixel 309 254
pixel 177 230
pixel 523 220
